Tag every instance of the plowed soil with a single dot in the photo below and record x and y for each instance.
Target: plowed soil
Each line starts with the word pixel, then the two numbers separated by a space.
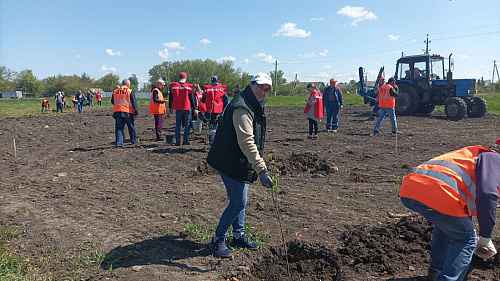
pixel 78 198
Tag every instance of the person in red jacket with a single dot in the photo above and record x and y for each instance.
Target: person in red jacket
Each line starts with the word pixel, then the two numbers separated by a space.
pixel 215 98
pixel 182 100
pixel 448 191
pixel 157 107
pixel 98 97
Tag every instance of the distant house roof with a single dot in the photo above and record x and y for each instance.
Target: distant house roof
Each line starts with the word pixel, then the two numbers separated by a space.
pixel 369 84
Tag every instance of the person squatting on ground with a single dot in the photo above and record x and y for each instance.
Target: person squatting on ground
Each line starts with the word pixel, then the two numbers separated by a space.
pixel 387 103
pixel 157 107
pixel 80 100
pixel 448 191
pixel 45 105
pixel 215 99
pixel 59 102
pixel 313 110
pixel 182 100
pixel 98 97
pixel 125 110
pixel 376 108
pixel 236 153
pixel 333 101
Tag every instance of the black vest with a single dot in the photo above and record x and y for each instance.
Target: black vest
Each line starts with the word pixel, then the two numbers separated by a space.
pixel 225 154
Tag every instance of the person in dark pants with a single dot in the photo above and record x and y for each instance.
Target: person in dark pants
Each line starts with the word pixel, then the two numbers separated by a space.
pixel 157 107
pixel 59 102
pixel 182 100
pixel 237 153
pixel 333 101
pixel 215 99
pixel 125 110
pixel 80 99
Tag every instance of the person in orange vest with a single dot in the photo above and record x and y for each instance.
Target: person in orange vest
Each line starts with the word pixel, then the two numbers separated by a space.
pixel 215 98
pixel 313 110
pixel 157 107
pixel 448 191
pixel 125 110
pixel 182 100
pixel 387 103
pixel 45 105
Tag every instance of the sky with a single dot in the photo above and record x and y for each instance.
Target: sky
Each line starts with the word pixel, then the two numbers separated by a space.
pixel 312 40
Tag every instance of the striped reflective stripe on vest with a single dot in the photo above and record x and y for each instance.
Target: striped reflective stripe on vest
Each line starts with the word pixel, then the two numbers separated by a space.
pixel 450 181
pixel 123 101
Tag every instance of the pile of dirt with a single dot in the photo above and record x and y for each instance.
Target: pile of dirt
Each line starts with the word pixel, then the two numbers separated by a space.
pixel 307 162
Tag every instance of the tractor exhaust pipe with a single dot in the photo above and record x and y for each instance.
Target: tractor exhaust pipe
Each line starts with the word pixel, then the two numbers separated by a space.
pixel 449 75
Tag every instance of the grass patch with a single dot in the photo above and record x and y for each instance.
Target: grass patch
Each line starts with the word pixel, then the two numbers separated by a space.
pixel 204 233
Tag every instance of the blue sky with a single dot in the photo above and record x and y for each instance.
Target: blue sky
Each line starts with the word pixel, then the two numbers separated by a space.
pixel 315 39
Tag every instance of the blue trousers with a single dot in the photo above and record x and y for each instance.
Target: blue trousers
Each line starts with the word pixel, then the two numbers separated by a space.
pixel 332 116
pixel 120 125
pixel 384 112
pixel 453 241
pixel 182 116
pixel 80 107
pixel 234 214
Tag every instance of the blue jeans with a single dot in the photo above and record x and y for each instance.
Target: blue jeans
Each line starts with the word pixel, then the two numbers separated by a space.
pixel 453 241
pixel 59 106
pixel 120 125
pixel 182 116
pixel 234 214
pixel 332 116
pixel 375 109
pixel 80 107
pixel 384 112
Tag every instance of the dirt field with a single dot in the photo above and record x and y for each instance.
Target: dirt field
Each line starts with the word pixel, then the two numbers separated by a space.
pixel 77 197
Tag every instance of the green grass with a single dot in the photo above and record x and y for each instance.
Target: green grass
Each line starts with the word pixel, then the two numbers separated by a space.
pixel 204 233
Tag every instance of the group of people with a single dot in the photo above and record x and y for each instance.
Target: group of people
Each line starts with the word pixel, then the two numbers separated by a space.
pixel 78 100
pixel 447 190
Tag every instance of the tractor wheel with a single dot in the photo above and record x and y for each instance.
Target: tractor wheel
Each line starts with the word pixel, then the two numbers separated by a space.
pixel 476 107
pixel 407 100
pixel 426 108
pixel 455 108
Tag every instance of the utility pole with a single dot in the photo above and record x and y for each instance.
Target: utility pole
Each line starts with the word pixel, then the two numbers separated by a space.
pixel 427 45
pixel 275 77
pixel 495 69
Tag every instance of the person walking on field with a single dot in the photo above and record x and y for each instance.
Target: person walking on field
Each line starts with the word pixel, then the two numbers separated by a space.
pixel 59 102
pixel 125 110
pixel 448 191
pixel 387 103
pixel 90 98
pixel 182 100
pixel 313 110
pixel 215 98
pixel 236 153
pixel 333 101
pixel 157 107
pixel 80 99
pixel 98 97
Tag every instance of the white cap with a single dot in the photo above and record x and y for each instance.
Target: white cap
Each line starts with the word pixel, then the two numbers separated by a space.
pixel 263 78
pixel 161 81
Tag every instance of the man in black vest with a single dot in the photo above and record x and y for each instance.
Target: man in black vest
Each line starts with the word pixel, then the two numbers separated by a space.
pixel 236 153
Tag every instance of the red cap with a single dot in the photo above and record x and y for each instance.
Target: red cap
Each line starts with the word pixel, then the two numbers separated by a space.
pixel 382 78
pixel 497 142
pixel 333 80
pixel 182 75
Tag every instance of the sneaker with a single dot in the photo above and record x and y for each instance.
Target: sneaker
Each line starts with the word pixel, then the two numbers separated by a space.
pixel 309 137
pixel 375 133
pixel 328 130
pixel 159 138
pixel 335 130
pixel 186 143
pixel 315 137
pixel 396 132
pixel 244 242
pixel 177 144
pixel 220 249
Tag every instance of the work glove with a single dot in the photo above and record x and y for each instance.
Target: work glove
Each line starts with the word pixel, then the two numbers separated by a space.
pixel 265 179
pixel 485 248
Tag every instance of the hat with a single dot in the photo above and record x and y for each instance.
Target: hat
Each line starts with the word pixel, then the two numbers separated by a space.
pixel 262 78
pixel 182 75
pixel 497 142
pixel 382 78
pixel 214 78
pixel 333 80
pixel 161 81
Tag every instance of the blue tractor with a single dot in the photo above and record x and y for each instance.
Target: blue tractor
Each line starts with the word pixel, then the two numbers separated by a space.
pixel 424 82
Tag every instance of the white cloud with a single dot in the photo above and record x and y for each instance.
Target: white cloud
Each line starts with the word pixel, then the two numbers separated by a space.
pixel 260 55
pixel 267 58
pixel 104 68
pixel 173 45
pixel 358 14
pixel 317 19
pixel 414 41
pixel 290 30
pixel 78 56
pixel 230 58
pixel 463 56
pixel 165 54
pixel 205 41
pixel 309 55
pixel 324 53
pixel 329 66
pixel 393 37
pixel 110 52
pixel 246 60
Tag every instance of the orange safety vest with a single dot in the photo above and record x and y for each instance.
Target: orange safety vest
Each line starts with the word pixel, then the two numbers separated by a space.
pixel 385 99
pixel 201 106
pixel 446 183
pixel 45 102
pixel 318 104
pixel 155 107
pixel 121 98
pixel 214 97
pixel 180 93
